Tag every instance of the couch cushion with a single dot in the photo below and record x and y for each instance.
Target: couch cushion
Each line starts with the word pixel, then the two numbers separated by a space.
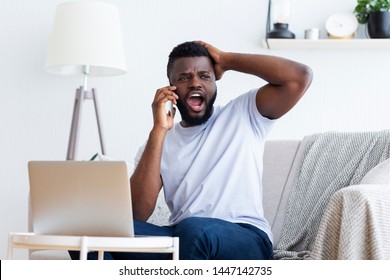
pixel 380 174
pixel 279 156
pixel 161 213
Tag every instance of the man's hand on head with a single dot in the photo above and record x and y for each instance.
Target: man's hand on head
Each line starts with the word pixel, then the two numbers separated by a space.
pixel 216 55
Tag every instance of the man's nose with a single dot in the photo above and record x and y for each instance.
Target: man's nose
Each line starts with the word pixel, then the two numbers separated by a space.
pixel 195 82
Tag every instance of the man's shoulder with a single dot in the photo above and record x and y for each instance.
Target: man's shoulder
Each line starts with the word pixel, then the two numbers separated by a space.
pixel 244 97
pixel 241 100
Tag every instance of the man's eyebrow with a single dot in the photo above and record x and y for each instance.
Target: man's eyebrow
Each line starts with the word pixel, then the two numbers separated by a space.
pixel 186 73
pixel 183 74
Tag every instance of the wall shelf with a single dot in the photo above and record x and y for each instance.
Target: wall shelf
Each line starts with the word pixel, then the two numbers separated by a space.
pixel 305 44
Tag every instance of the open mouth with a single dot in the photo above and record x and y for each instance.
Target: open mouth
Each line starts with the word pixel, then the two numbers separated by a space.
pixel 196 102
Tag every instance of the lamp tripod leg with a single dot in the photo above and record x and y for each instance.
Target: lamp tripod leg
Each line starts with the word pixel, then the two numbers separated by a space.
pixel 95 102
pixel 74 130
pixel 81 95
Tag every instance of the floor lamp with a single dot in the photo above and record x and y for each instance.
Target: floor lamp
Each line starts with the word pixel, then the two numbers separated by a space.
pixel 86 40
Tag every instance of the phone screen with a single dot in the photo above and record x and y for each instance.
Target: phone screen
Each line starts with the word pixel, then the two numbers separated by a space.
pixel 169 107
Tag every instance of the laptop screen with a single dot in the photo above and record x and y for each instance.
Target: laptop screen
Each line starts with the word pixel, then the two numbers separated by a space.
pixel 90 198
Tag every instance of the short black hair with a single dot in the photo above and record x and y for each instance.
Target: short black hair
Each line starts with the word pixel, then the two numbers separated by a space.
pixel 186 49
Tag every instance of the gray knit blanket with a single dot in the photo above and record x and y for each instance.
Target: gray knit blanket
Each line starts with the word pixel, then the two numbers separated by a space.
pixel 355 225
pixel 331 161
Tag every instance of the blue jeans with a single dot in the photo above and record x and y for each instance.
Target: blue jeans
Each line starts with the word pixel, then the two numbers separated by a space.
pixel 202 239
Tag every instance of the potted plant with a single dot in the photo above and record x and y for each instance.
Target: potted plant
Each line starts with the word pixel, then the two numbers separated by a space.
pixel 376 13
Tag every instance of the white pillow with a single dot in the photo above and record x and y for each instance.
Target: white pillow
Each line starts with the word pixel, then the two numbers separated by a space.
pixel 380 174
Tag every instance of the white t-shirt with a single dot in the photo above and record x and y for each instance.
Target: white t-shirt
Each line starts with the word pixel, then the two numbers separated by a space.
pixel 215 169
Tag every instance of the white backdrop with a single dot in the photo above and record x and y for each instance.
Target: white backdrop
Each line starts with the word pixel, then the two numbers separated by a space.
pixel 349 91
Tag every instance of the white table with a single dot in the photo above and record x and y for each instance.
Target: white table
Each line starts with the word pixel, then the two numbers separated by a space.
pixel 84 244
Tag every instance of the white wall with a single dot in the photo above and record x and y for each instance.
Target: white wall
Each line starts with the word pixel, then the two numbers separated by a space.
pixel 349 92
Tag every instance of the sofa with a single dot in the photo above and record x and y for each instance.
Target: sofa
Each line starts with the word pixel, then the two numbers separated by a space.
pixel 354 222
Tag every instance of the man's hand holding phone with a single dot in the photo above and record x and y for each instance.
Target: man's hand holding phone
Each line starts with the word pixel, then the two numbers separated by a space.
pixel 162 117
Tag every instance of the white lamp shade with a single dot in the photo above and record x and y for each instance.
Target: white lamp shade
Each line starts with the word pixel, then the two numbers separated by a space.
pixel 86 33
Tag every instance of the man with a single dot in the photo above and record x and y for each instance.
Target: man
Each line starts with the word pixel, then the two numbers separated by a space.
pixel 210 164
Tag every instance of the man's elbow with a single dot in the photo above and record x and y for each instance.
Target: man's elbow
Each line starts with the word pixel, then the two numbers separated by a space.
pixel 305 77
pixel 141 213
pixel 140 216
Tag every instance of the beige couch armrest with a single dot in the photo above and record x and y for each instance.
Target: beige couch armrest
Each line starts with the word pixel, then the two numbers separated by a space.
pixel 355 225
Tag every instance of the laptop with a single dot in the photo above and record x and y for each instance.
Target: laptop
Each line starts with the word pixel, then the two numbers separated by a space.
pixel 84 198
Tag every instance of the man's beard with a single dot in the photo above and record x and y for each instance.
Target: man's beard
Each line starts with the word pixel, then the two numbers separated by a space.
pixel 198 120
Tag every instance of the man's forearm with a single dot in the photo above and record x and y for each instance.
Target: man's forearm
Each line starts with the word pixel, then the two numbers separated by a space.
pixel 146 181
pixel 287 80
pixel 275 70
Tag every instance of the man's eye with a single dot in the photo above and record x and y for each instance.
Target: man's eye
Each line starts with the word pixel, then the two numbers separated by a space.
pixel 205 77
pixel 183 78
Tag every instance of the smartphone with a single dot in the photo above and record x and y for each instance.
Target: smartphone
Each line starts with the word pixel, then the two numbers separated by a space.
pixel 169 107
pixel 169 104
